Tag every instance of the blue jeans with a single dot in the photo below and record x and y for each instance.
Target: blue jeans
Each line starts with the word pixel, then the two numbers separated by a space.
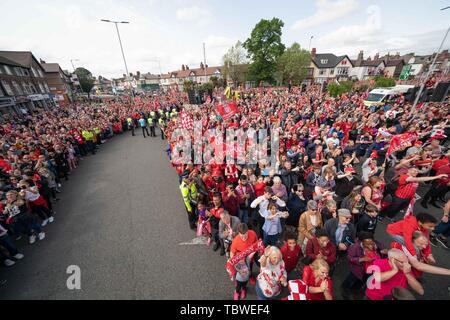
pixel 442 228
pixel 243 215
pixel 270 240
pixel 259 292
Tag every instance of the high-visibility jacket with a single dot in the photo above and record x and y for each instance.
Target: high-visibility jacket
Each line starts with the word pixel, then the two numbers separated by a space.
pixel 193 194
pixel 130 121
pixel 87 135
pixel 161 122
pixel 184 188
pixel 97 131
pixel 152 114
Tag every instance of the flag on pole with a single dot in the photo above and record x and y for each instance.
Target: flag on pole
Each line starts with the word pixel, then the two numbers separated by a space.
pixel 400 142
pixel 409 211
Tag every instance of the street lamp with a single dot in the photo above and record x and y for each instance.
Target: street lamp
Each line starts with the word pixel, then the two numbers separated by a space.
pixel 121 47
pixel 310 39
pixel 431 69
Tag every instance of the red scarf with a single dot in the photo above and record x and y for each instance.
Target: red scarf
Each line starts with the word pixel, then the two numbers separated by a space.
pixel 231 263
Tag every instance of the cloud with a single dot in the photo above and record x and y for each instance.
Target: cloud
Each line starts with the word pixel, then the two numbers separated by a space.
pixel 197 15
pixel 327 11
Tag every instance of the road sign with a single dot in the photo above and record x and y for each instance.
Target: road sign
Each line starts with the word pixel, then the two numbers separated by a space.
pixel 405 72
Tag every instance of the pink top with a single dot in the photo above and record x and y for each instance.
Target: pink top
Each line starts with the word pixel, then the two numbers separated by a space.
pixel 385 287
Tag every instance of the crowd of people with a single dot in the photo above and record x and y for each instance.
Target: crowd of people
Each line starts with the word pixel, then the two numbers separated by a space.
pixel 340 169
pixel 40 150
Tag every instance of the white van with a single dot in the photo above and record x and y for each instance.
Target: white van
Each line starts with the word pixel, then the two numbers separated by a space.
pixel 378 96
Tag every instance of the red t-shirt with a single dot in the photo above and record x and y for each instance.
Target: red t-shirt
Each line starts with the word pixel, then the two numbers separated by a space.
pixel 310 281
pixel 385 288
pixel 238 245
pixel 291 257
pixel 406 190
pixel 259 189
pixel 439 163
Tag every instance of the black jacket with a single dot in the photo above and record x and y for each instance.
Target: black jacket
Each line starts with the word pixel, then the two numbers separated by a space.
pixel 349 235
pixel 366 223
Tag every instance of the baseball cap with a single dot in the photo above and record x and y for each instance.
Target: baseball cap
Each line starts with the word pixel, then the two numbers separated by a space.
pixel 344 213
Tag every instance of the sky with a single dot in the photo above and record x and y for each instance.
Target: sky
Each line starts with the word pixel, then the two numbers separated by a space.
pixel 164 34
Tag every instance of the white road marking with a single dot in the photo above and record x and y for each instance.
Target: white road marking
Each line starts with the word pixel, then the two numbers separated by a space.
pixel 196 241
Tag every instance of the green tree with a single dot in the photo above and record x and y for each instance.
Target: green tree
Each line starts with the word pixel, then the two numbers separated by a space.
pixel 336 90
pixel 382 82
pixel 188 85
pixel 86 80
pixel 264 47
pixel 214 80
pixel 292 65
pixel 235 63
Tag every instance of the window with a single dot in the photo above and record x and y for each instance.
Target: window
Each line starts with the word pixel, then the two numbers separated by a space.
pixel 2 94
pixel 331 71
pixel 46 87
pixel 8 70
pixel 26 89
pixel 310 72
pixel 343 71
pixel 25 71
pixel 40 73
pixel 18 71
pixel 33 70
pixel 17 87
pixel 32 88
pixel 322 72
pixel 41 87
pixel 7 88
pixel 324 61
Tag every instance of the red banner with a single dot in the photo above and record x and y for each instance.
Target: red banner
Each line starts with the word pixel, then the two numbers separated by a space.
pixel 400 142
pixel 227 111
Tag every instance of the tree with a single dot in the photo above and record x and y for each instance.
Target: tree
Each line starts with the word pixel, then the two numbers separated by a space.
pixel 336 90
pixel 86 80
pixel 235 63
pixel 382 82
pixel 292 65
pixel 188 85
pixel 264 48
pixel 214 80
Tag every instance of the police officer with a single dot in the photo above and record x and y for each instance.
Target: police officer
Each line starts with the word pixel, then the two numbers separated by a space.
pixel 151 123
pixel 162 126
pixel 185 188
pixel 130 125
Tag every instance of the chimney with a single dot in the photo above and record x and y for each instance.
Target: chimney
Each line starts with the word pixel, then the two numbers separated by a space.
pixel 138 73
pixel 377 56
pixel 202 66
pixel 313 52
pixel 42 61
pixel 131 74
pixel 183 67
pixel 361 55
pixel 206 66
pixel 187 67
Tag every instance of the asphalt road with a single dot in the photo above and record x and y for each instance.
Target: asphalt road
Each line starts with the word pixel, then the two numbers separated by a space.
pixel 121 220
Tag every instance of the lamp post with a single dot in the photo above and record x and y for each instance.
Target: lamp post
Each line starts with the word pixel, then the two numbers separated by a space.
pixel 73 67
pixel 121 48
pixel 310 39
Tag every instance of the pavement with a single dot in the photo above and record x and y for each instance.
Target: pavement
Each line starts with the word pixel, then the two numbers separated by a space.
pixel 121 220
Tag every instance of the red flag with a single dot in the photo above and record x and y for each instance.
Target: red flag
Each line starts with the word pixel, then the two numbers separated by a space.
pixel 400 142
pixel 296 126
pixel 227 111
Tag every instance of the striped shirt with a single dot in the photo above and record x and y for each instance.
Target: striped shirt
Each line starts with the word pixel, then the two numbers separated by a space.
pixel 406 190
